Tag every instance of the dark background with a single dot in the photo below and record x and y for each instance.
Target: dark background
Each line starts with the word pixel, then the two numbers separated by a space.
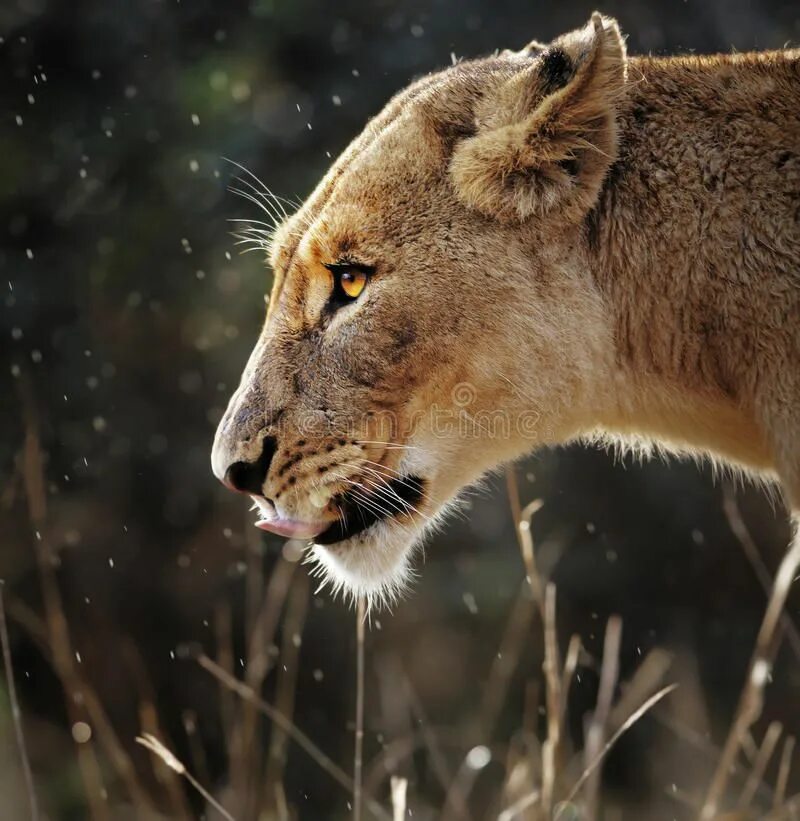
pixel 126 315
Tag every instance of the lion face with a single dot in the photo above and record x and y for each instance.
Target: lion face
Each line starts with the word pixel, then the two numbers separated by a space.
pixel 416 331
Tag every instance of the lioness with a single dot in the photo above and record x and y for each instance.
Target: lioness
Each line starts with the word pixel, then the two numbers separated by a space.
pixel 556 243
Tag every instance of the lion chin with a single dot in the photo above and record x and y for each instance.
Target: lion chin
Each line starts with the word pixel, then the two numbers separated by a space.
pixel 377 564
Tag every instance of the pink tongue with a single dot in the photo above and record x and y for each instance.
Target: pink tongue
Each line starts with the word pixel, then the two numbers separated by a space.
pixel 292 529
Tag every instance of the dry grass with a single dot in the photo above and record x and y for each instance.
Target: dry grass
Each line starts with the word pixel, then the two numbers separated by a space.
pixel 544 775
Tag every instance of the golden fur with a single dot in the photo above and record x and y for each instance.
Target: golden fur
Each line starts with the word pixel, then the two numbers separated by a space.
pixel 591 243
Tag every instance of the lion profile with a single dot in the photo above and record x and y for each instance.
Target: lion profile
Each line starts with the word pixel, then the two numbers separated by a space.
pixel 593 244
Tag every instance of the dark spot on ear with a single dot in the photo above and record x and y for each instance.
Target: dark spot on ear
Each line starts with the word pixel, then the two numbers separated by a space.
pixel 556 70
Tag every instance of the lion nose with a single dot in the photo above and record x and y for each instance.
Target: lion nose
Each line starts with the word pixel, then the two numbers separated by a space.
pixel 249 477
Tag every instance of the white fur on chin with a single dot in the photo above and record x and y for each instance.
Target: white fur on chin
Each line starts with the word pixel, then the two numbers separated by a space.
pixel 375 565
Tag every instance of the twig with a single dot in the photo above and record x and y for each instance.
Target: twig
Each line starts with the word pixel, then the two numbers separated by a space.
pixel 223 632
pixel 438 760
pixel 753 555
pixel 570 665
pixel 552 677
pixel 358 753
pixel 750 702
pixel 609 673
pixel 151 743
pixel 16 713
pixel 399 787
pixel 196 751
pixel 261 637
pixel 456 807
pixel 528 554
pixel 522 527
pixel 645 680
pixel 514 810
pixel 101 726
pixel 634 717
pixel 763 756
pixel 393 754
pixel 517 629
pixel 295 733
pixel 783 772
pixel 55 618
pixel 296 610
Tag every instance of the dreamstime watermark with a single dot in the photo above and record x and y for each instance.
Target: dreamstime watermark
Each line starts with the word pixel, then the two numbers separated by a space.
pixel 464 417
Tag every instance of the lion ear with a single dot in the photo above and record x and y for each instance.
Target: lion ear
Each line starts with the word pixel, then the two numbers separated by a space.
pixel 546 137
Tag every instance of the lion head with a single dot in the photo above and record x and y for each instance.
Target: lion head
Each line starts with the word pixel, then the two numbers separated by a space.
pixel 432 315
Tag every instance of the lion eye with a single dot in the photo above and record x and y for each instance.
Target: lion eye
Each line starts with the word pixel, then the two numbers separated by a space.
pixel 352 282
pixel 349 281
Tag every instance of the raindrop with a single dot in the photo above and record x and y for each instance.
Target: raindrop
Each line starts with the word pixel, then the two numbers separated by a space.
pixel 81 732
pixel 478 757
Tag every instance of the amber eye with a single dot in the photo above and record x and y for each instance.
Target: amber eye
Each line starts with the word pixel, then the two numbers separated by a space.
pixel 352 282
pixel 349 281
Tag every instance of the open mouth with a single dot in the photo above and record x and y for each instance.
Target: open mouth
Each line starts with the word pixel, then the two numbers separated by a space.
pixel 360 510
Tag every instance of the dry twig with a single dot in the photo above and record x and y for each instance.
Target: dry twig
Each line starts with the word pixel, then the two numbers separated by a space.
pixel 358 753
pixel 751 700
pixel 16 713
pixel 151 743
pixel 762 758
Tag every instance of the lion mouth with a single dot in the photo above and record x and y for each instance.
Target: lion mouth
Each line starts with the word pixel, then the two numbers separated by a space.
pixel 360 509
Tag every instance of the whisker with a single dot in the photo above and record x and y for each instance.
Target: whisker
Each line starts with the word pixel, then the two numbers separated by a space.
pixel 388 494
pixel 398 477
pixel 257 202
pixel 265 190
pixel 276 207
pixel 388 444
pixel 366 498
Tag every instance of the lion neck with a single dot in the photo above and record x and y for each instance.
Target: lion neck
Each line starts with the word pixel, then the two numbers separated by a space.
pixel 659 246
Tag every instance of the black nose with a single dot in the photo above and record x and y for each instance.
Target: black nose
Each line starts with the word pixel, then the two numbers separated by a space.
pixel 249 477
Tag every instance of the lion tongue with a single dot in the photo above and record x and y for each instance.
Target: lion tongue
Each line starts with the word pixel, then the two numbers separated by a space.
pixel 292 529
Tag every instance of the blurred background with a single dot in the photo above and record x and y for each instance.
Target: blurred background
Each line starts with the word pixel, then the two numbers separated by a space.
pixel 126 315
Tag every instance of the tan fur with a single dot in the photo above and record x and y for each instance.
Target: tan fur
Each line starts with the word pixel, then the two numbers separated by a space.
pixel 596 243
